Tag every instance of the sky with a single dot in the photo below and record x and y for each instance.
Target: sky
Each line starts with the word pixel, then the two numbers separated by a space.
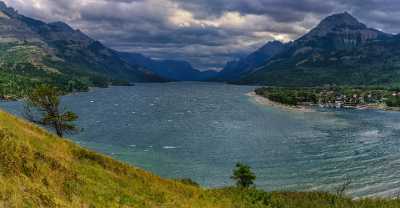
pixel 207 33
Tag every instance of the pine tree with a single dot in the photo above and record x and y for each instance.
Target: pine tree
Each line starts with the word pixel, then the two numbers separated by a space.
pixel 43 107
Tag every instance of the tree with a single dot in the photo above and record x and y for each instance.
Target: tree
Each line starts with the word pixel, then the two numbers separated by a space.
pixel 243 176
pixel 43 107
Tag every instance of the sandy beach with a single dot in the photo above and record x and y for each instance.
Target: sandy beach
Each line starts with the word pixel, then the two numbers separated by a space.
pixel 265 101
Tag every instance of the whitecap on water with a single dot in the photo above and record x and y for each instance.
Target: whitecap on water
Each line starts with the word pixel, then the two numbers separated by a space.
pixel 393 125
pixel 169 147
pixel 132 145
pixel 92 101
pixel 370 134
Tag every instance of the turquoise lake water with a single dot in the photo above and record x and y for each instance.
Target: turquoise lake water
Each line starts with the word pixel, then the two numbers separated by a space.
pixel 200 130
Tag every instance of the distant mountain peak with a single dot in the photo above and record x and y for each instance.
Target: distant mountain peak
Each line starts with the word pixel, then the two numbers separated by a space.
pixel 234 70
pixel 341 30
pixel 344 19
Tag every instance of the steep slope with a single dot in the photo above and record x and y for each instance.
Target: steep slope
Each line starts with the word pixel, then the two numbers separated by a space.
pixel 234 70
pixel 169 69
pixel 34 51
pixel 340 50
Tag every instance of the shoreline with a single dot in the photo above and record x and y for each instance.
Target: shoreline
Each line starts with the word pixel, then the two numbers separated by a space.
pixel 375 107
pixel 267 102
pixel 308 109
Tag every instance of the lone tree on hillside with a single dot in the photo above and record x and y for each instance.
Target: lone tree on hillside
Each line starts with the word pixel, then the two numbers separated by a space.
pixel 43 107
pixel 243 176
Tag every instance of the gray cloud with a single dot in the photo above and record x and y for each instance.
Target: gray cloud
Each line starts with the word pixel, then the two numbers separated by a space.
pixel 205 32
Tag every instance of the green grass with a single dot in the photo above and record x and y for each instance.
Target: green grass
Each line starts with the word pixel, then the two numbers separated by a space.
pixel 38 169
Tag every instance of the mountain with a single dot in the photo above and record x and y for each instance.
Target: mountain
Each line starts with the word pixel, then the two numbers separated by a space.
pixel 340 31
pixel 35 51
pixel 234 70
pixel 169 69
pixel 339 51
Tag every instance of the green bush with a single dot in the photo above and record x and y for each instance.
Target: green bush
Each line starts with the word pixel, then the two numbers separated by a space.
pixel 243 176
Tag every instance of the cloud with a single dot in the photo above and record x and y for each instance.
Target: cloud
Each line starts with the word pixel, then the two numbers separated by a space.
pixel 206 32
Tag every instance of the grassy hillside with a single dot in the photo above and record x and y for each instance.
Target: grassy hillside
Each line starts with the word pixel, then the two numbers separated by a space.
pixel 38 169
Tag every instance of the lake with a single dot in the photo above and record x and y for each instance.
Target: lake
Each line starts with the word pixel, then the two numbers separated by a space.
pixel 200 130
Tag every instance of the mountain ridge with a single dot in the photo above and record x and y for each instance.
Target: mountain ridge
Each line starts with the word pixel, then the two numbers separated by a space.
pixel 235 70
pixel 338 51
pixel 32 51
pixel 170 69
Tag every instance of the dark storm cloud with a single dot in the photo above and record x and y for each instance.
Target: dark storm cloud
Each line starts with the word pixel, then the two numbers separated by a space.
pixel 205 32
pixel 279 10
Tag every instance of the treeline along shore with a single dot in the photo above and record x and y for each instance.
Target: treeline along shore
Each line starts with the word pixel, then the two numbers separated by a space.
pixel 383 98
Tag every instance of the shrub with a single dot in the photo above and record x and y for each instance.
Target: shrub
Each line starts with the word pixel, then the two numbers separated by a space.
pixel 243 176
